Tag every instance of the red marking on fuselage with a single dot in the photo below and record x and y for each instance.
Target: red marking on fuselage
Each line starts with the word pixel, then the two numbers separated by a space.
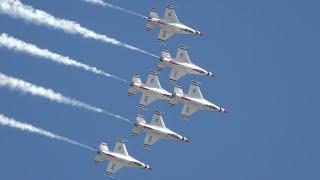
pixel 172 62
pixel 145 88
pixel 110 155
pixel 148 127
pixel 184 98
pixel 160 22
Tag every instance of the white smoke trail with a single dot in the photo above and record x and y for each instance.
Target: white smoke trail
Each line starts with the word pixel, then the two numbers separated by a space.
pixel 26 87
pixel 105 4
pixel 5 121
pixel 96 2
pixel 16 9
pixel 18 45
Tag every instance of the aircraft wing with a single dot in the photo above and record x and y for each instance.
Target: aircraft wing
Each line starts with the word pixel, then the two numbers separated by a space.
pixel 153 80
pixel 120 148
pixel 182 55
pixel 146 100
pixel 164 34
pixel 187 110
pixel 151 139
pixel 113 167
pixel 176 74
pixel 194 90
pixel 170 15
pixel 157 120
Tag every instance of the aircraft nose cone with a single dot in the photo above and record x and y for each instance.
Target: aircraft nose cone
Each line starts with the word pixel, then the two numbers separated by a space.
pixel 210 74
pixel 148 167
pixel 225 111
pixel 187 140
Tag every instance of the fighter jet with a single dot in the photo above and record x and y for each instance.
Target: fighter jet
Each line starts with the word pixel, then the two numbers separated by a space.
pixel 151 91
pixel 169 24
pixel 118 158
pixel 155 131
pixel 181 65
pixel 192 101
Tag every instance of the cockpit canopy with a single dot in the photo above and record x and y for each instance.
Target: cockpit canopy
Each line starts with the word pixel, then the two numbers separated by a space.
pixel 174 135
pixel 187 30
pixel 137 164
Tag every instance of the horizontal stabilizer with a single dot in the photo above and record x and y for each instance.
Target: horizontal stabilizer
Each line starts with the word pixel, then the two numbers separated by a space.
pixel 136 78
pixel 178 89
pixel 165 53
pixel 154 13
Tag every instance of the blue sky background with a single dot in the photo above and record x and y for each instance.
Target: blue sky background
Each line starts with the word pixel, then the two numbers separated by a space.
pixel 266 57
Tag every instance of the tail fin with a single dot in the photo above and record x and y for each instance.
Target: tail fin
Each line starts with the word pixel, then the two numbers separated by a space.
pixel 99 158
pixel 153 14
pixel 177 90
pixel 135 79
pixel 136 130
pixel 153 80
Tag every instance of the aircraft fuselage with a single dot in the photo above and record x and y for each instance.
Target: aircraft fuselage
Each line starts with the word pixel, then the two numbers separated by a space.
pixel 187 67
pixel 201 103
pixel 155 92
pixel 175 27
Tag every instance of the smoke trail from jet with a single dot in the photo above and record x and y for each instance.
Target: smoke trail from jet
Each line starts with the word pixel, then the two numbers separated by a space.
pixel 26 87
pixel 5 121
pixel 21 46
pixel 105 4
pixel 96 2
pixel 16 9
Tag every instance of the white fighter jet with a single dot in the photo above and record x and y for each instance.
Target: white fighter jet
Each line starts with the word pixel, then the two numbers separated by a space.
pixel 192 101
pixel 156 130
pixel 169 24
pixel 151 91
pixel 181 65
pixel 118 158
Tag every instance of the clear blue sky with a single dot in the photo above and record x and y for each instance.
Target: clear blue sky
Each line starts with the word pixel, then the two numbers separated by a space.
pixel 266 57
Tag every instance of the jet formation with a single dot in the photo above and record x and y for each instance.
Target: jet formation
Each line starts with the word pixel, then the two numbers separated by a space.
pixel 152 90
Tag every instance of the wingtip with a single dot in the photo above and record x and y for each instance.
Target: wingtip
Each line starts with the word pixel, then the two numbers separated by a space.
pixel 157 113
pixel 152 72
pixel 194 82
pixel 121 140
